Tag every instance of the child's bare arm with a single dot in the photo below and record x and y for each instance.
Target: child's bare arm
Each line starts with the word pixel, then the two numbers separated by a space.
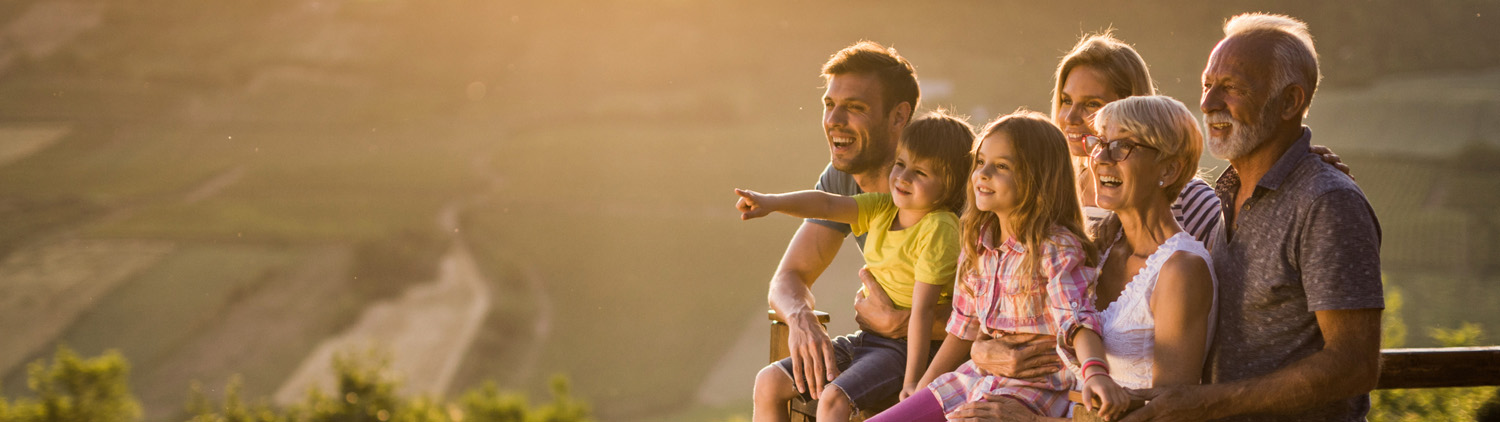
pixel 804 204
pixel 1073 310
pixel 1113 400
pixel 953 352
pixel 924 300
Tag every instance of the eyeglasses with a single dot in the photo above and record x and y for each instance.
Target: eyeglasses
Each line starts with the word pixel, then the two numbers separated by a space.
pixel 1116 150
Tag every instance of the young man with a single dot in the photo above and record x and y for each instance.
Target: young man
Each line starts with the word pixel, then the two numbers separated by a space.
pixel 871 94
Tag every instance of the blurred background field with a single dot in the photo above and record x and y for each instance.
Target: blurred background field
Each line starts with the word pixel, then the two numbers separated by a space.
pixel 220 188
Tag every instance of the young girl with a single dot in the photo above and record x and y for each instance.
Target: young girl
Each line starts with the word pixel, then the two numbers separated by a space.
pixel 1026 268
pixel 912 251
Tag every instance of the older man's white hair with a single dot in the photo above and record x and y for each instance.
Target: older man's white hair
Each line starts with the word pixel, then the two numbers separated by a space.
pixel 1292 46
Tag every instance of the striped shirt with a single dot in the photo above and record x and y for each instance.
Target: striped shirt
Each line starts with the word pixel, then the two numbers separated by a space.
pixel 1197 209
pixel 998 301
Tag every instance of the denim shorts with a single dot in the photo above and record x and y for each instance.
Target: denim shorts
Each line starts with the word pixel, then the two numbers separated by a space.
pixel 871 369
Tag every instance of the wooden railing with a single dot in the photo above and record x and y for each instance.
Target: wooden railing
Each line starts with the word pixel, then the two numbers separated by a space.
pixel 1423 368
pixel 1399 368
pixel 1443 367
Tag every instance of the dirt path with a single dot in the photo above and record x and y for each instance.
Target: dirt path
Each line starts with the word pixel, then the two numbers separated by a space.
pixel 425 331
pixel 428 330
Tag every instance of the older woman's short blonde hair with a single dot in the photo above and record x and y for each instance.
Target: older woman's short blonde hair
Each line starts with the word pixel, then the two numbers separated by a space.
pixel 1163 123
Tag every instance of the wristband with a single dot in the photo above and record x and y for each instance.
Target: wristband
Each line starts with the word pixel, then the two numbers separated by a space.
pixel 1086 378
pixel 1090 363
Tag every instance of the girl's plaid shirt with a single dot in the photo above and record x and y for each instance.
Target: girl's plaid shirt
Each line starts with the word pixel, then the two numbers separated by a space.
pixel 999 299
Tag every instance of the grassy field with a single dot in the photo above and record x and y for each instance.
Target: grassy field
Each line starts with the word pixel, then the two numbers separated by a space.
pixel 297 184
pixel 643 282
pixel 146 324
pixel 49 287
pixel 152 315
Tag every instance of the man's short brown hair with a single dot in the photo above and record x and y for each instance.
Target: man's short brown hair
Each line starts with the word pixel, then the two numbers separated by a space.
pixel 898 79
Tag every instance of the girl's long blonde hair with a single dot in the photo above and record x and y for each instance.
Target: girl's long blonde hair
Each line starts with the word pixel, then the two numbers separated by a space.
pixel 1044 185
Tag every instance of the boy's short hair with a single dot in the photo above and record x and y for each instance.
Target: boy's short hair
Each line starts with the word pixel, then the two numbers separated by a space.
pixel 944 140
pixel 898 78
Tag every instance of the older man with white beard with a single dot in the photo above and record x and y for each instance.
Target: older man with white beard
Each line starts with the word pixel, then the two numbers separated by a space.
pixel 1297 252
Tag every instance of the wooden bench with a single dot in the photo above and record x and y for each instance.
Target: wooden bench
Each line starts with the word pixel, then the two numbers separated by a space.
pixel 800 409
pixel 1399 368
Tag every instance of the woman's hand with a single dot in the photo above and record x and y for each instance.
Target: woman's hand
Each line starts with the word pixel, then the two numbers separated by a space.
pixel 907 391
pixel 1020 356
pixel 994 409
pixel 1113 399
pixel 1329 157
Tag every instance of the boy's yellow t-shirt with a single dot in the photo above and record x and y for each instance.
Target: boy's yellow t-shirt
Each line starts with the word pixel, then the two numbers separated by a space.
pixel 926 252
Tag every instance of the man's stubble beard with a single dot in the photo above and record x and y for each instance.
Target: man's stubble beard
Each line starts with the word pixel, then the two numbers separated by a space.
pixel 874 156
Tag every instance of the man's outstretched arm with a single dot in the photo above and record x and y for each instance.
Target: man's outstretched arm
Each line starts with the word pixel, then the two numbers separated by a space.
pixel 810 252
pixel 1348 365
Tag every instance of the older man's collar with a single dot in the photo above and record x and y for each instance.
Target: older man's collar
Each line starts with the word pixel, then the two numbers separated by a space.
pixel 1287 162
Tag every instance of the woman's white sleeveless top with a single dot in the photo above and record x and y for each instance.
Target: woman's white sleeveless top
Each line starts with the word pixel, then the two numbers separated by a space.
pixel 1128 323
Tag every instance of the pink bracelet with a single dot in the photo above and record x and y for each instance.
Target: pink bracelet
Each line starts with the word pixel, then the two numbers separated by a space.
pixel 1086 378
pixel 1090 363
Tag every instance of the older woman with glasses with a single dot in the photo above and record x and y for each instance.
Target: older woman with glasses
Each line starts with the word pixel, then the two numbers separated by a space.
pixel 1155 289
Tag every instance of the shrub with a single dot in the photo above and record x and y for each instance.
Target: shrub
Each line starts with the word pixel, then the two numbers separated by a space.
pixel 98 390
pixel 1448 404
pixel 367 393
pixel 73 389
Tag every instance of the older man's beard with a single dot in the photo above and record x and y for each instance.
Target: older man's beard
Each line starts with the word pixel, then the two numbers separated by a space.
pixel 1244 137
